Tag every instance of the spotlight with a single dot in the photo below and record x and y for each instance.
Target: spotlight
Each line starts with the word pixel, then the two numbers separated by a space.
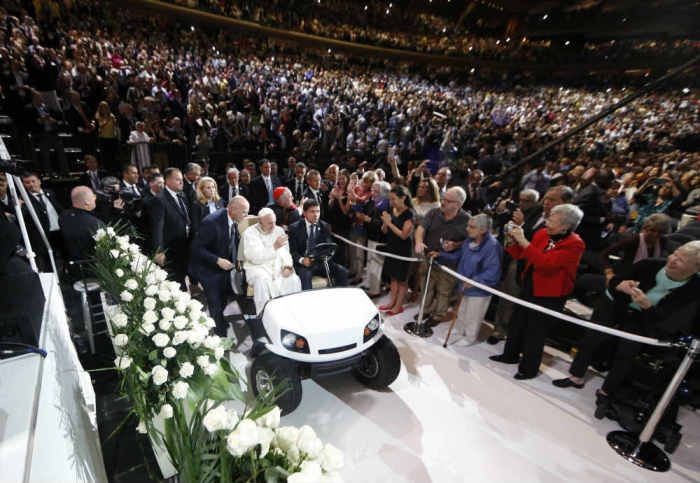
pixel 329 51
pixel 192 28
pixel 567 42
pixel 545 16
pixel 473 70
pixel 365 8
pixel 508 39
pixel 686 90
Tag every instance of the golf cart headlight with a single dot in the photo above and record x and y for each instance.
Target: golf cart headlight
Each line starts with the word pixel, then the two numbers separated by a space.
pixel 294 342
pixel 371 328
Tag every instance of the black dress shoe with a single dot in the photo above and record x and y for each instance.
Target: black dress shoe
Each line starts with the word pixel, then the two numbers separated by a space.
pixel 521 376
pixel 493 340
pixel 566 382
pixel 503 359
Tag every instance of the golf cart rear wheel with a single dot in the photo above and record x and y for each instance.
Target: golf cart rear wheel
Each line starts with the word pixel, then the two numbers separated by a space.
pixel 380 365
pixel 271 371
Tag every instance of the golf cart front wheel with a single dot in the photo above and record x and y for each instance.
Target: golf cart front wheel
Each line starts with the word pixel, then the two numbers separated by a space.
pixel 380 365
pixel 270 372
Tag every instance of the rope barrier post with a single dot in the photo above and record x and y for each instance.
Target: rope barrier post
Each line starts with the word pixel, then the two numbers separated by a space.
pixel 640 450
pixel 420 328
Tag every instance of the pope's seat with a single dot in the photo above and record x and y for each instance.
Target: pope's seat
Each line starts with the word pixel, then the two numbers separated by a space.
pixel 247 222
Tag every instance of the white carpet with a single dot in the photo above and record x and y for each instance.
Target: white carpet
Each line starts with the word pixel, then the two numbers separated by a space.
pixel 453 415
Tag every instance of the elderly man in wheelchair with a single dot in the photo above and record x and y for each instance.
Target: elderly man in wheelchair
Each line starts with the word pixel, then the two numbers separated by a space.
pixel 268 265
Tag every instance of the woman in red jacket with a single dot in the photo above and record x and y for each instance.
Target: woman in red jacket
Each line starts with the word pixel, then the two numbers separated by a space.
pixel 552 258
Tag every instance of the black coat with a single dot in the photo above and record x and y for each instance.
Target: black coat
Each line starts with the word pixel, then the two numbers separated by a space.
pixel 258 192
pixel 243 190
pixel 292 185
pixel 590 200
pixel 298 238
pixel 169 225
pixel 189 191
pixel 285 217
pixel 213 241
pixel 77 229
pixel 676 314
pixel 41 213
pixel 322 201
pixel 198 212
pixel 86 181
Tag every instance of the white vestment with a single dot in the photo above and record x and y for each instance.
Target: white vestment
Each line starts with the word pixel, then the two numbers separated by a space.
pixel 263 265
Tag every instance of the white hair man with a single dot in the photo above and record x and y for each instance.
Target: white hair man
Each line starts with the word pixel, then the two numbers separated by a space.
pixel 267 262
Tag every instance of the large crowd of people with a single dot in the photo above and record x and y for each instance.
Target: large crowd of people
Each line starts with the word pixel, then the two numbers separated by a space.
pixel 186 131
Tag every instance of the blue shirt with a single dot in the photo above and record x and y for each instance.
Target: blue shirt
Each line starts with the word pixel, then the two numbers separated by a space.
pixel 481 263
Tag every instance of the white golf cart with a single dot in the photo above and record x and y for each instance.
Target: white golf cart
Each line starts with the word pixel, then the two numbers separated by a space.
pixel 317 333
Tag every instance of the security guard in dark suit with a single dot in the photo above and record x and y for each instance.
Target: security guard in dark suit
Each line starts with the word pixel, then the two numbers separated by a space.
pixel 48 210
pixel 78 225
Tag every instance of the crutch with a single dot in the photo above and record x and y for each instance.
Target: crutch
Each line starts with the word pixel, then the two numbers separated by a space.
pixel 454 319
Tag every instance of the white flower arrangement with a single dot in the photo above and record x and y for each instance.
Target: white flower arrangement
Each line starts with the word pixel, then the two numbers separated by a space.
pixel 165 342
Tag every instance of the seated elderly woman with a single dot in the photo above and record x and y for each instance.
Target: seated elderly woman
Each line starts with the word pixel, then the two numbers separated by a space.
pixel 267 261
pixel 552 259
pixel 658 298
pixel 479 260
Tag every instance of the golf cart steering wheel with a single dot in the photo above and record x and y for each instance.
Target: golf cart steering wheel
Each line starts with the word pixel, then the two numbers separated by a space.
pixel 323 250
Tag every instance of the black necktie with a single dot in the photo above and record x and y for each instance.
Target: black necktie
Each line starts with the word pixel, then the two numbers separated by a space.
pixel 181 202
pixel 298 190
pixel 136 191
pixel 312 236
pixel 234 242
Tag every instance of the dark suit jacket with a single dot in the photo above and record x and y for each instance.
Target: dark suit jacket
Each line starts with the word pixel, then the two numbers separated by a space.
pixel 590 200
pixel 243 190
pixel 298 238
pixel 189 191
pixel 258 192
pixel 168 225
pixel 291 184
pixel 198 212
pixel 323 201
pixel 41 212
pixel 85 180
pixel 122 187
pixel 77 229
pixel 213 241
pixel 285 217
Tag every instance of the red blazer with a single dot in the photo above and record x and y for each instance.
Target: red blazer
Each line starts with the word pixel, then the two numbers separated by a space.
pixel 553 271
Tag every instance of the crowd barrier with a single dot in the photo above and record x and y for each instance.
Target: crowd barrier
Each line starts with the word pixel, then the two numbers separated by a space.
pixel 637 449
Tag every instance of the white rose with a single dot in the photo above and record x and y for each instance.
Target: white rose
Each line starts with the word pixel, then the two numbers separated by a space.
pixel 151 281
pixel 203 361
pixel 180 337
pixel 160 375
pixel 210 370
pixel 141 428
pixel 164 296
pixel 270 419
pixel 138 263
pixel 131 284
pixel 134 249
pixel 169 352
pixel 286 437
pixel 212 341
pixel 265 437
pixel 160 339
pixel 219 353
pixel 186 370
pixel 331 458
pixel 122 362
pixel 173 287
pixel 195 305
pixel 161 274
pixel 166 411
pixel 126 296
pixel 243 438
pixel 119 272
pixel 115 253
pixel 332 477
pixel 149 303
pixel 181 306
pixel 195 315
pixel 99 234
pixel 146 329
pixel 180 390
pixel 310 473
pixel 196 336
pixel 183 297
pixel 308 442
pixel 151 290
pixel 209 323
pixel 220 418
pixel 110 231
pixel 167 313
pixel 180 322
pixel 164 324
pixel 149 317
pixel 120 340
pixel 120 320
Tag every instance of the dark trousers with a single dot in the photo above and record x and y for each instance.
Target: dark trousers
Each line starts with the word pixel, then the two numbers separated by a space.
pixel 622 364
pixel 217 292
pixel 593 341
pixel 527 332
pixel 338 272
pixel 176 266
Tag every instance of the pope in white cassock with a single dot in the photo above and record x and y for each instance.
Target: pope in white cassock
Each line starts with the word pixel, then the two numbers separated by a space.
pixel 268 263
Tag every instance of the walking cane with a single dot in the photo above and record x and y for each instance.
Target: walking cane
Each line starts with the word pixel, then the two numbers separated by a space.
pixel 454 319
